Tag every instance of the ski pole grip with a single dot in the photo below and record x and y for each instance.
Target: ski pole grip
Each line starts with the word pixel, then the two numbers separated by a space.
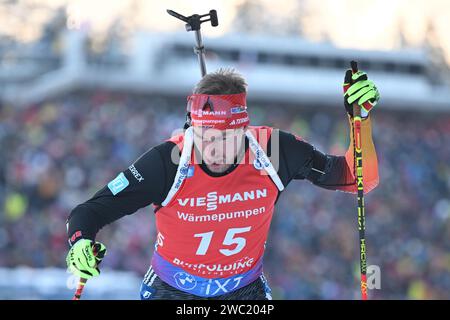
pixel 354 66
pixel 356 108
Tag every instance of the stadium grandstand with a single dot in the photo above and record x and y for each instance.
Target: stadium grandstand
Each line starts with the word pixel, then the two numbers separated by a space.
pixel 73 113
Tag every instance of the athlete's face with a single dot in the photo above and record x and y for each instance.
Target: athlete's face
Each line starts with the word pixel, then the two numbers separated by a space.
pixel 219 148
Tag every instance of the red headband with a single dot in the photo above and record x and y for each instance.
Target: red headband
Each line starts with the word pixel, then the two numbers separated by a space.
pixel 228 111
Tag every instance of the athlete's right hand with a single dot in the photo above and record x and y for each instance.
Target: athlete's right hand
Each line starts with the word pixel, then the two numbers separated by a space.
pixel 81 259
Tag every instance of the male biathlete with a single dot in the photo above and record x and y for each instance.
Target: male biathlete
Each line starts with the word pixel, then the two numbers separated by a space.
pixel 214 187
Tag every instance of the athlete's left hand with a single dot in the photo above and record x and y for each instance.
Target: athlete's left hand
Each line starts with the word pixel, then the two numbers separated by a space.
pixel 358 88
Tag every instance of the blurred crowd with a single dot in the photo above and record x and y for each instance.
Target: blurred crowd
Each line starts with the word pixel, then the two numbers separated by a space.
pixel 56 154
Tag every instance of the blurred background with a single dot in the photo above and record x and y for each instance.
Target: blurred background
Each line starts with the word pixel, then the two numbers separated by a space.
pixel 86 87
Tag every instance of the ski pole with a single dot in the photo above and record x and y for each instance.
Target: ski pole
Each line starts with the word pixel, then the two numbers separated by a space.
pixel 82 281
pixel 360 186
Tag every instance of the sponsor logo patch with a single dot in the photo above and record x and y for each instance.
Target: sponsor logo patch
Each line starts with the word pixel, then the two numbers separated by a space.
pixel 213 198
pixel 190 172
pixel 237 109
pixel 118 184
pixel 185 281
pixel 257 164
